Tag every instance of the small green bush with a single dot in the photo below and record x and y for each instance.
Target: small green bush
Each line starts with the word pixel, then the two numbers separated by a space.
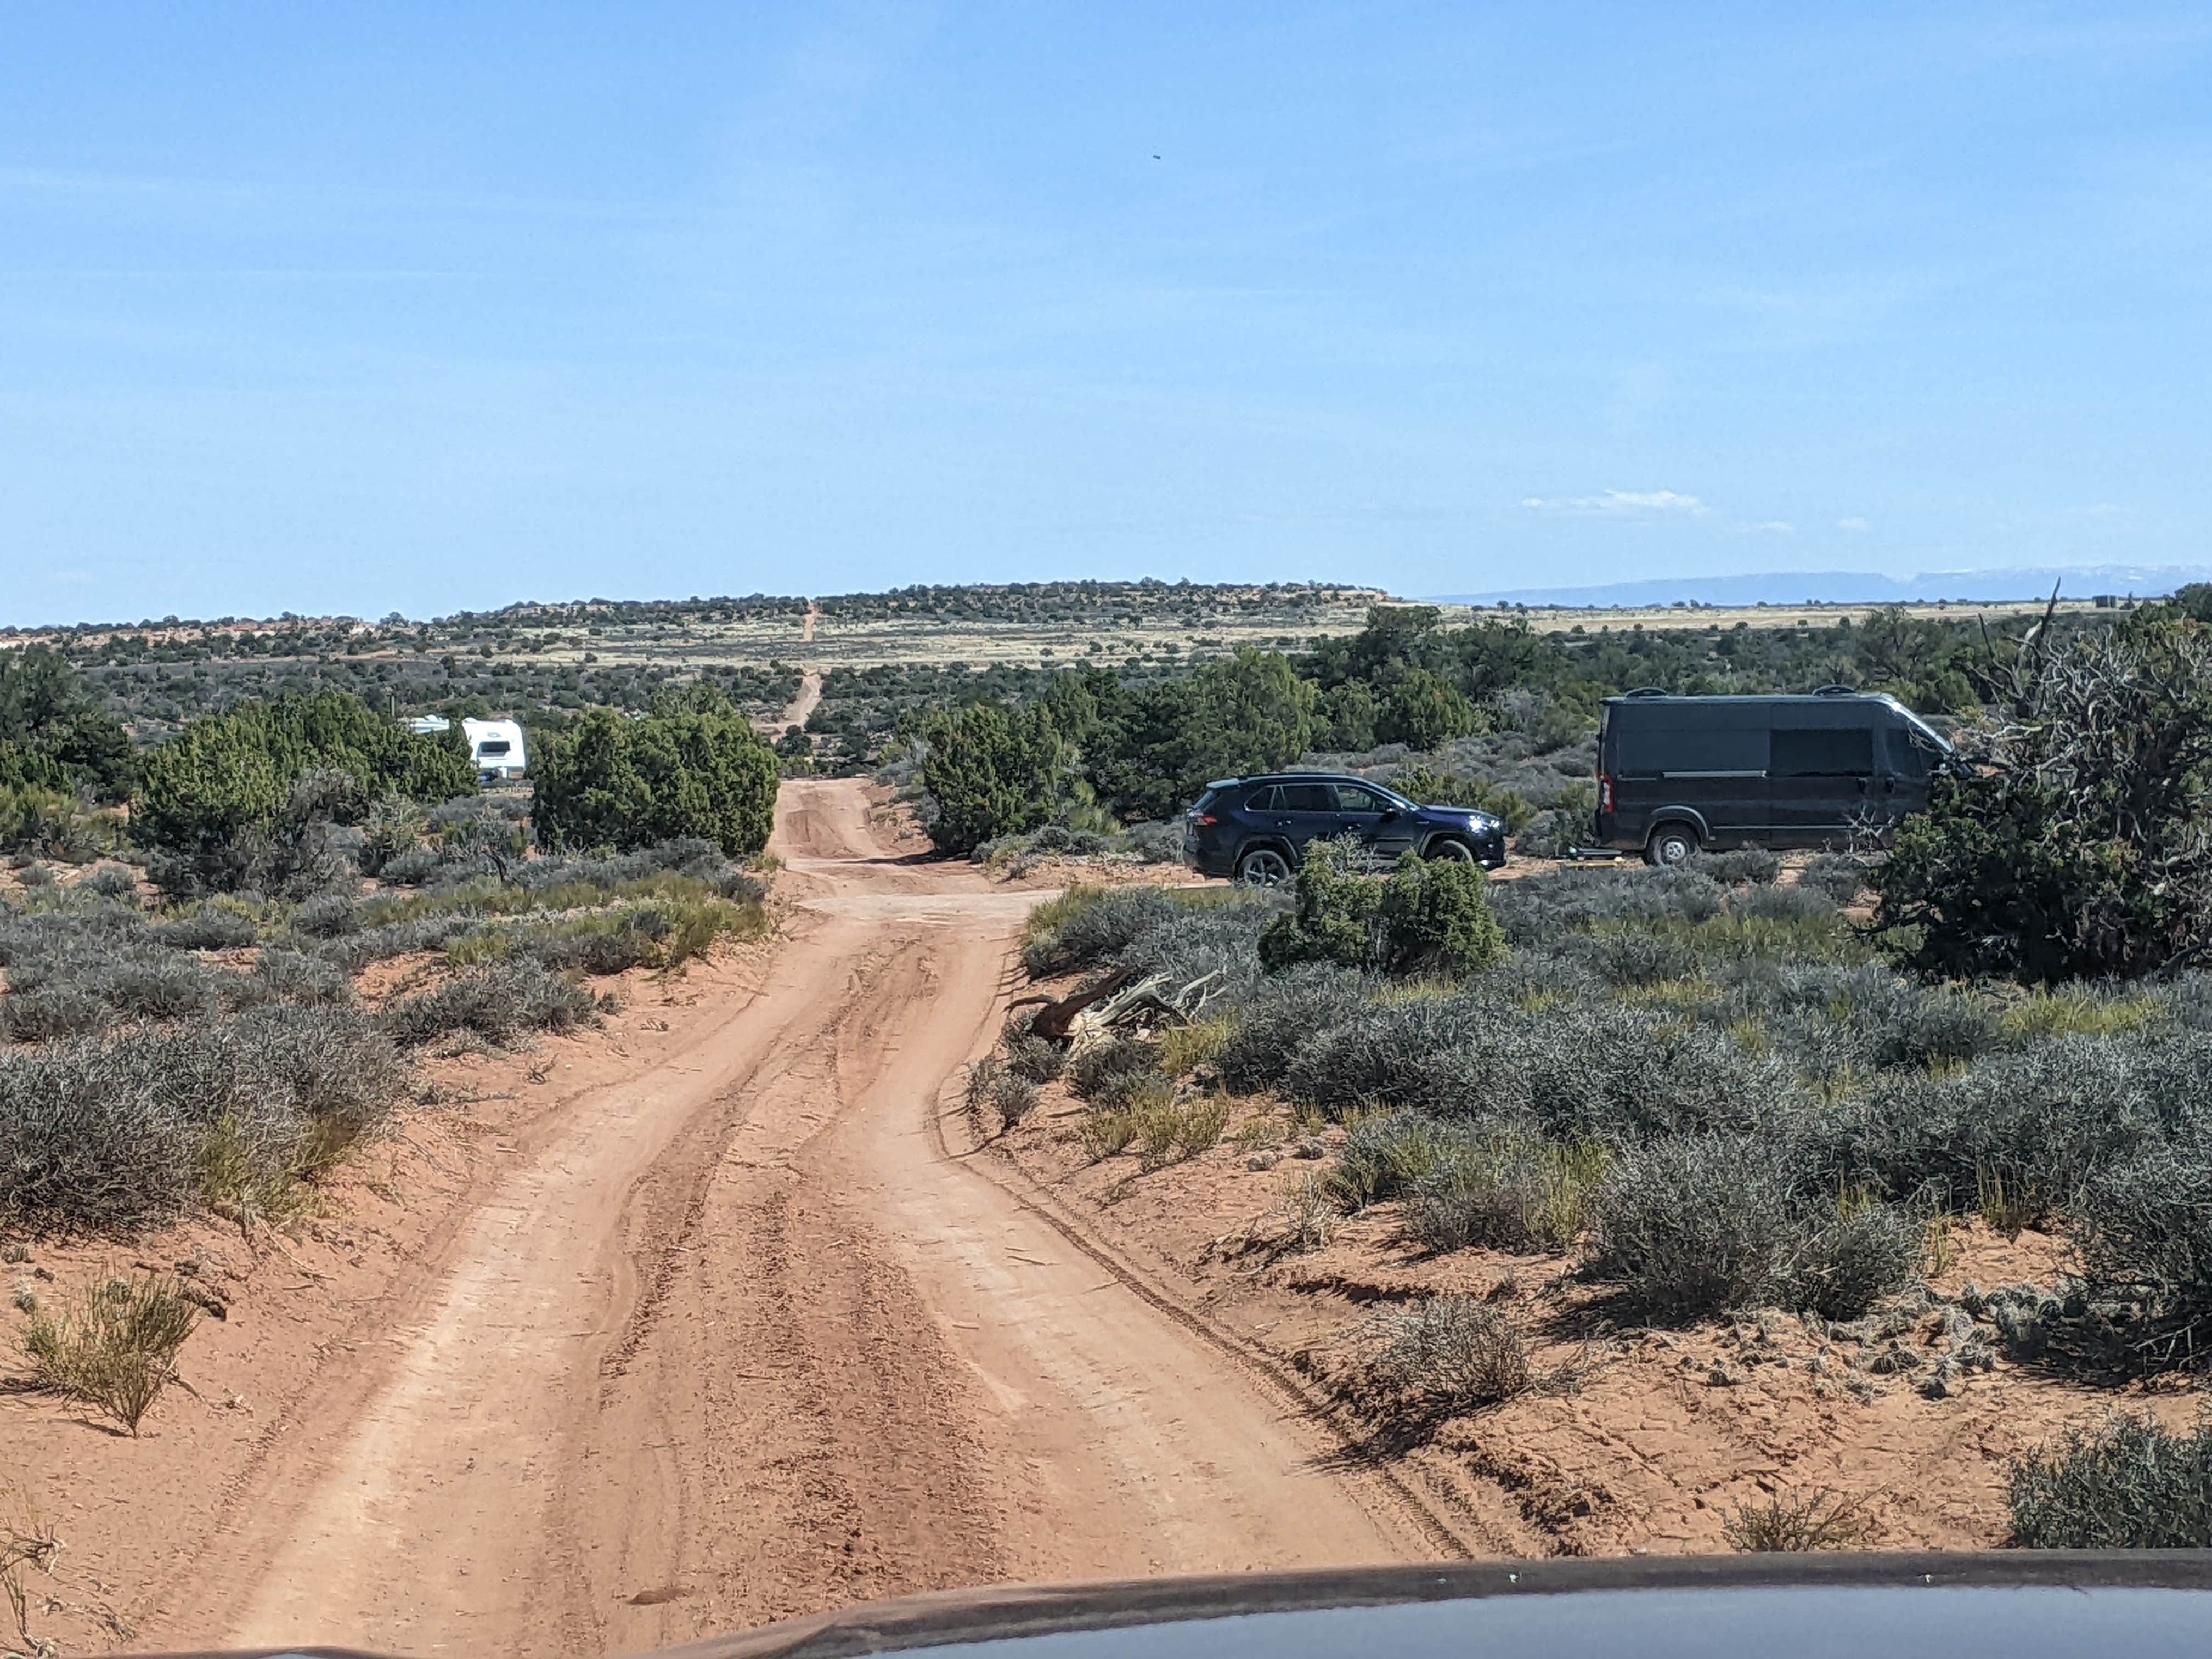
pixel 695 767
pixel 1434 919
pixel 1334 916
pixel 991 773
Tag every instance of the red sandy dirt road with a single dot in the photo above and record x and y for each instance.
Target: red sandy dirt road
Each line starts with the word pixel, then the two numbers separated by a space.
pixel 749 1336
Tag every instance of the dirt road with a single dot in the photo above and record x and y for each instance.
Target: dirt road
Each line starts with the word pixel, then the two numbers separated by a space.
pixel 802 705
pixel 749 1336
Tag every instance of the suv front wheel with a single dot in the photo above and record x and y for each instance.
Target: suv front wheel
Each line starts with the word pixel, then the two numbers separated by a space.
pixel 1670 844
pixel 1263 867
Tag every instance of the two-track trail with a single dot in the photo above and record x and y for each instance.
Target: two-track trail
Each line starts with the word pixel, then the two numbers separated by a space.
pixel 747 1336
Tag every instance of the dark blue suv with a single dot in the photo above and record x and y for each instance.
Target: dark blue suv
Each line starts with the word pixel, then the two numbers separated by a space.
pixel 1256 829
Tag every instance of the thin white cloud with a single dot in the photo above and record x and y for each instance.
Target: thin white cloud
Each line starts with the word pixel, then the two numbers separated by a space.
pixel 1853 523
pixel 1619 503
pixel 1771 527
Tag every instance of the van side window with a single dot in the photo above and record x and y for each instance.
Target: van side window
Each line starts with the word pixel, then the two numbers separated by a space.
pixel 1831 752
pixel 1694 751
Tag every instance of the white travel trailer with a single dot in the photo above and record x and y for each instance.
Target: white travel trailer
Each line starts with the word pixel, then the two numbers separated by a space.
pixel 494 745
pixel 497 747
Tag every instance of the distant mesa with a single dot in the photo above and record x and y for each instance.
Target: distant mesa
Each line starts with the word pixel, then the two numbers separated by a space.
pixel 1855 588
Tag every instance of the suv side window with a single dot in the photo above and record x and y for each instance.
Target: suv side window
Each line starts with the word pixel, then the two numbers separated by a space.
pixel 1351 798
pixel 1304 798
pixel 1832 751
pixel 1261 800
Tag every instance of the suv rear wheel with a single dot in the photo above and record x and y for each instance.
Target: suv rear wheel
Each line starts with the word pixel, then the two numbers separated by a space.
pixel 1670 844
pixel 1263 867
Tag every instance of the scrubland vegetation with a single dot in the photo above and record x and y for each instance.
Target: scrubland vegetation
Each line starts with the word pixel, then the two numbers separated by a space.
pixel 1714 1090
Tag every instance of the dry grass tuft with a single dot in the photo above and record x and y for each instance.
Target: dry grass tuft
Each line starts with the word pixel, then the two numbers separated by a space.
pixel 1817 1520
pixel 117 1349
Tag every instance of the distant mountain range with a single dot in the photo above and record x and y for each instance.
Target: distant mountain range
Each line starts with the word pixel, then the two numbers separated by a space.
pixel 1855 588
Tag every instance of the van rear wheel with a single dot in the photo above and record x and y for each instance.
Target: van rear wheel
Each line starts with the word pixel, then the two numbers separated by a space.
pixel 1670 844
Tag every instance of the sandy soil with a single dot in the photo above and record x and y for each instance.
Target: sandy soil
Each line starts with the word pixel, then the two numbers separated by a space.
pixel 732 1327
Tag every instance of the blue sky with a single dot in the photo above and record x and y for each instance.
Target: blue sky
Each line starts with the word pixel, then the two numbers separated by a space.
pixel 420 307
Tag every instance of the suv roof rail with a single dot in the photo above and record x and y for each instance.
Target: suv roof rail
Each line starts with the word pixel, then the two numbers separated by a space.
pixel 1646 691
pixel 1224 783
pixel 1837 691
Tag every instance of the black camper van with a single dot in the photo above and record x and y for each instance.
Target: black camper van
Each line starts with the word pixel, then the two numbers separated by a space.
pixel 1678 774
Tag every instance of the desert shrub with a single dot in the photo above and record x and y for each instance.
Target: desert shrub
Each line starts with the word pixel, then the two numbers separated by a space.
pixel 2036 1123
pixel 1538 909
pixel 1454 1353
pixel 206 926
pixel 1741 866
pixel 52 823
pixel 1841 876
pixel 994 1089
pixel 52 1011
pixel 296 976
pixel 114 881
pixel 1610 1073
pixel 1398 1052
pixel 695 767
pixel 1554 834
pixel 1217 937
pixel 1033 1059
pixel 1434 919
pixel 498 1003
pixel 1800 904
pixel 1817 1520
pixel 1509 1189
pixel 1930 1029
pixel 1087 925
pixel 328 916
pixel 2126 1484
pixel 1184 1048
pixel 1702 1224
pixel 1624 956
pixel 1169 1129
pixel 1848 1260
pixel 2143 1225
pixel 411 867
pixel 1386 1154
pixel 1106 1134
pixel 117 1349
pixel 394 826
pixel 1282 1013
pixel 1094 1070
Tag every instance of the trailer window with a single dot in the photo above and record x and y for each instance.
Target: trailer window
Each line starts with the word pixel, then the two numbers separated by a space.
pixel 1831 752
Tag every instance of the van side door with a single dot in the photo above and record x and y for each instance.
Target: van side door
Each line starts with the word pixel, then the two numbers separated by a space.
pixel 1707 759
pixel 1822 781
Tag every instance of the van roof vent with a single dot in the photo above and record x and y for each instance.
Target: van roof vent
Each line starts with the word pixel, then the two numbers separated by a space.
pixel 1647 691
pixel 1837 691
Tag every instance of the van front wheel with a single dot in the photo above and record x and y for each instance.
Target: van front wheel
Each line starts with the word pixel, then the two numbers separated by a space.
pixel 1670 844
